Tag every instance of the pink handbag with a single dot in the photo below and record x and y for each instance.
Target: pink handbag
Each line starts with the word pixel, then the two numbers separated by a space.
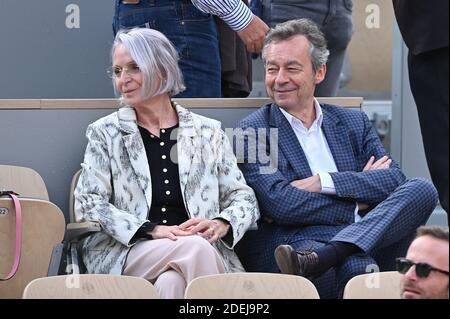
pixel 18 242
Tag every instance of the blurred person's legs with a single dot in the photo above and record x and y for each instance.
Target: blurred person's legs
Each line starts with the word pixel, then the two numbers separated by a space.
pixel 338 29
pixel 193 33
pixel 236 63
pixel 428 76
pixel 190 257
pixel 334 18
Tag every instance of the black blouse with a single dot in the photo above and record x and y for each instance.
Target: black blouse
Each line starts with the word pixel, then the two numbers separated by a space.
pixel 167 201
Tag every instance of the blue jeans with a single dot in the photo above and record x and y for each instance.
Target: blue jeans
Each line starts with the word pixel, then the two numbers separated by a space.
pixel 192 32
pixel 334 18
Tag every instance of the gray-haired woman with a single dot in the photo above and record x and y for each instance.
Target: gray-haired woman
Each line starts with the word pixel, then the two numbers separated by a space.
pixel 162 181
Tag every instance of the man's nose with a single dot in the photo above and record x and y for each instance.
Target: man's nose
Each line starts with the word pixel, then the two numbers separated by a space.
pixel 282 77
pixel 411 273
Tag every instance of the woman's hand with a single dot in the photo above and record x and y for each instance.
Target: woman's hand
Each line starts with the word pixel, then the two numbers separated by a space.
pixel 210 229
pixel 171 232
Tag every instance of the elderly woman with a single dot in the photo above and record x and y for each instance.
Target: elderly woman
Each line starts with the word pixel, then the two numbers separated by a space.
pixel 162 181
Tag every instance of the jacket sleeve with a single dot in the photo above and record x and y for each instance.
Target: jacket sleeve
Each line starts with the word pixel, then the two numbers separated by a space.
pixel 238 204
pixel 281 202
pixel 373 186
pixel 94 192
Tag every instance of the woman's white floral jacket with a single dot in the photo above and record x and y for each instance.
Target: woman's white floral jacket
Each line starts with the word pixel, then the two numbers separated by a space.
pixel 114 188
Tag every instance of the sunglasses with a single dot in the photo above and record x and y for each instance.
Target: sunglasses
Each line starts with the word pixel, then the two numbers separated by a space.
pixel 422 269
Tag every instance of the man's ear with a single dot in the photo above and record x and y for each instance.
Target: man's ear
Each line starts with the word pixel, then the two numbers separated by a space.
pixel 320 74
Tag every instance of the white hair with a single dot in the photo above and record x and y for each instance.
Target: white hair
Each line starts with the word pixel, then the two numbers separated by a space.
pixel 157 59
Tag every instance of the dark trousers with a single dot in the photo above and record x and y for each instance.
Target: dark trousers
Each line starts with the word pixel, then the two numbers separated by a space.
pixel 191 31
pixel 382 235
pixel 428 76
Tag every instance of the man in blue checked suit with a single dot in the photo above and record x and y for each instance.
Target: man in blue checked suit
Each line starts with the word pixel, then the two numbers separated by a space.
pixel 333 203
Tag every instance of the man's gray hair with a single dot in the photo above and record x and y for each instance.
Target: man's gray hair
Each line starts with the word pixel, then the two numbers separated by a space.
pixel 157 59
pixel 438 232
pixel 318 45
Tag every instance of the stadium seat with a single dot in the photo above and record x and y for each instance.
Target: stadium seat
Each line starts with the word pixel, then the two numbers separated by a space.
pixel 42 228
pixel 90 287
pixel 251 285
pixel 378 285
pixel 23 180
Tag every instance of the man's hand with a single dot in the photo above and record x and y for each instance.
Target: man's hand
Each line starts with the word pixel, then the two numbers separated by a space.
pixel 382 163
pixel 253 35
pixel 310 184
pixel 362 206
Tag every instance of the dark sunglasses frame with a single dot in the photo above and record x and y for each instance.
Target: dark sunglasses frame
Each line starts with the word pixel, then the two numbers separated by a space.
pixel 423 270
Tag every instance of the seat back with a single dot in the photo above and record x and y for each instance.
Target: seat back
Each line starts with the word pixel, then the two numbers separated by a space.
pixel 73 185
pixel 23 180
pixel 42 227
pixel 251 286
pixel 90 287
pixel 378 285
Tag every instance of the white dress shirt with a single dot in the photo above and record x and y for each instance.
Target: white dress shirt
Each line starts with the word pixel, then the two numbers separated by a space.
pixel 316 149
pixel 233 12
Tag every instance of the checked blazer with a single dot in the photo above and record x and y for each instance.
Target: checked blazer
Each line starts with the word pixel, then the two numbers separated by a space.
pixel 351 140
pixel 307 220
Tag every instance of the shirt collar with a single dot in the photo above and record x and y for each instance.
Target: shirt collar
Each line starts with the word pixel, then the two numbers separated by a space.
pixel 317 121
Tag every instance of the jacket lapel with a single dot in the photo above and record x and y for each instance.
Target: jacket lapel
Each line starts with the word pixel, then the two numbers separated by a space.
pixel 287 141
pixel 185 146
pixel 339 142
pixel 134 146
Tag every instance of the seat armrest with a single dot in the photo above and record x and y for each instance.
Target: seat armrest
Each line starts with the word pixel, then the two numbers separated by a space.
pixel 77 231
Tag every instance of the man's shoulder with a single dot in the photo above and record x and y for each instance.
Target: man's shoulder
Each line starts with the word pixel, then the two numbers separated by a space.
pixel 344 114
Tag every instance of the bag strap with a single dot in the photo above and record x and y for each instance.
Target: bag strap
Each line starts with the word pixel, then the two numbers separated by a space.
pixel 18 243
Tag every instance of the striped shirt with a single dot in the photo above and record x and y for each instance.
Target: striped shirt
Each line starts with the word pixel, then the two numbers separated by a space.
pixel 233 12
